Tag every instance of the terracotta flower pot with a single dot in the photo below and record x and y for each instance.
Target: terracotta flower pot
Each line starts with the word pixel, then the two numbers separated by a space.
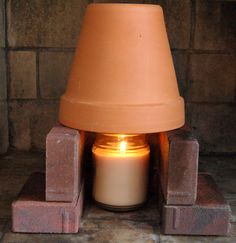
pixel 122 78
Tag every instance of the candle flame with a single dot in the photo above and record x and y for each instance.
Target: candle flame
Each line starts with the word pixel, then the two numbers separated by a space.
pixel 123 146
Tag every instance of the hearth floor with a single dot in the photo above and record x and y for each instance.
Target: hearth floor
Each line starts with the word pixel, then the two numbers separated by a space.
pixel 103 226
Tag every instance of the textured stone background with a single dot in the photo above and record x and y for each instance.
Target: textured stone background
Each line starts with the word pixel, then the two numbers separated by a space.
pixel 38 38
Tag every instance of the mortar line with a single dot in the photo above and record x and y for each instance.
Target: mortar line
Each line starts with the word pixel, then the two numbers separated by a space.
pixel 5 229
pixel 211 103
pixel 6 51
pixel 38 93
pixel 35 101
pixel 57 49
pixel 189 52
pixel 42 49
pixel 8 80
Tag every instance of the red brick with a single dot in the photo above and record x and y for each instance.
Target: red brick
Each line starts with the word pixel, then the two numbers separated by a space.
pixel 209 216
pixel 179 166
pixel 32 214
pixel 63 163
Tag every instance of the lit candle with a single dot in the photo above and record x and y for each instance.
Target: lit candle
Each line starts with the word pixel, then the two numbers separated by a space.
pixel 121 170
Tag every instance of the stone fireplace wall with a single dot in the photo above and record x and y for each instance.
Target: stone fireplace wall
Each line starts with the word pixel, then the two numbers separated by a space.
pixel 3 82
pixel 41 38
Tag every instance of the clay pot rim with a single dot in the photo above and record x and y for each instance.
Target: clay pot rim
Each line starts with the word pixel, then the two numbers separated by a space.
pixel 122 119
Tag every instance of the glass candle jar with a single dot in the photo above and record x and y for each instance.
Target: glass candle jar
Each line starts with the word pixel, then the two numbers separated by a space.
pixel 121 170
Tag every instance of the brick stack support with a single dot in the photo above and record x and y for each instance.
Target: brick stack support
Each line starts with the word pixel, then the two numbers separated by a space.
pixel 33 214
pixel 63 164
pixel 190 203
pixel 179 166
pixel 209 215
pixel 54 203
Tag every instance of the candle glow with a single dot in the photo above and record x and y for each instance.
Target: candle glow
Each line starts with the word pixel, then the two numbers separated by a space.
pixel 121 170
pixel 123 146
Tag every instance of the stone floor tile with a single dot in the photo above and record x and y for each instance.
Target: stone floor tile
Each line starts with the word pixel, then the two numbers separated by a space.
pixel 220 166
pixel 99 231
pixel 19 163
pixel 3 223
pixel 5 206
pixel 11 184
pixel 232 204
pixel 115 230
pixel 223 170
pixel 148 212
pixel 10 237
pixel 227 186
pixel 231 238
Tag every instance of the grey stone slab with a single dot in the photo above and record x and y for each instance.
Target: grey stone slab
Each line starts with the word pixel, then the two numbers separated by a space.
pixel 212 78
pixel 22 66
pixel 10 237
pixel 215 25
pixel 19 118
pixel 42 122
pixel 232 204
pixel 178 20
pixel 44 23
pixel 3 223
pixel 22 164
pixel 4 139
pixel 227 186
pixel 5 206
pixel 54 70
pixel 11 185
pixel 3 83
pixel 214 125
pixel 110 231
pixel 30 123
pixel 147 213
pixel 219 166
pixel 223 170
pixel 180 60
pixel 116 231
pixel 3 75
pixel 2 23
pixel 200 239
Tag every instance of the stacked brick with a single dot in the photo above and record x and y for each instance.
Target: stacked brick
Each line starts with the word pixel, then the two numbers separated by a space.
pixel 53 203
pixel 191 203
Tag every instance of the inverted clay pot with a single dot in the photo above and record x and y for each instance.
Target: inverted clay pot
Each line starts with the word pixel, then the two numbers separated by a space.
pixel 122 78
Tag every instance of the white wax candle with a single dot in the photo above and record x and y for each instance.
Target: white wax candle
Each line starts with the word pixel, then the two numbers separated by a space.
pixel 121 178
